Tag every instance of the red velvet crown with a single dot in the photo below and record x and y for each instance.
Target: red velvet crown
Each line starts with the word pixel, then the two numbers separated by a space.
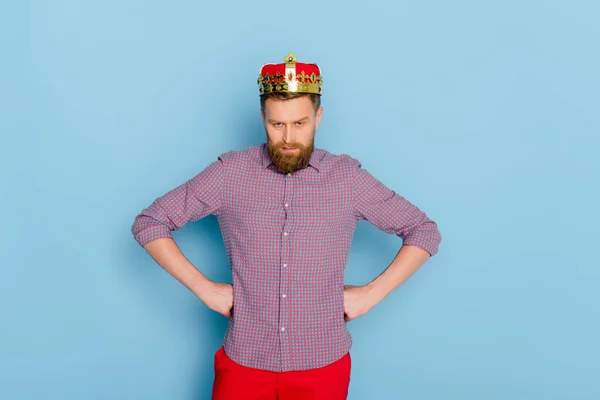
pixel 290 76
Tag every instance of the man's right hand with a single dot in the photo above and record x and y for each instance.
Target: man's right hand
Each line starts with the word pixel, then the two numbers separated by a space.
pixel 218 297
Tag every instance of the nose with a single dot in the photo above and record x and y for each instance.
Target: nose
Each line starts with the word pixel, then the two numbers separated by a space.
pixel 288 134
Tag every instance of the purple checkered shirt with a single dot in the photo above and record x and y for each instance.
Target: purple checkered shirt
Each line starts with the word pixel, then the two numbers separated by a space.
pixel 287 238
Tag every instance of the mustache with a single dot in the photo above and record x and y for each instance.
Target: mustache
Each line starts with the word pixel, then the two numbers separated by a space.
pixel 289 146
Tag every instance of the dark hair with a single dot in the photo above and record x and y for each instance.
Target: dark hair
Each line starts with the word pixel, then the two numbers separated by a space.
pixel 314 98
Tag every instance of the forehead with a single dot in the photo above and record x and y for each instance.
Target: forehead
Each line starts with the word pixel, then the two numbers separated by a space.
pixel 292 109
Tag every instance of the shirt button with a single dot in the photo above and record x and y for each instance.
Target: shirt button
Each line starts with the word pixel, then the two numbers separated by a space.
pixel 284 265
pixel 282 329
pixel 285 233
pixel 287 205
pixel 284 295
pixel 289 174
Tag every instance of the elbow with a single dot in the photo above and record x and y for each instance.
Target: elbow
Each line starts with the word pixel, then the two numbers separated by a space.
pixel 426 236
pixel 137 227
pixel 146 229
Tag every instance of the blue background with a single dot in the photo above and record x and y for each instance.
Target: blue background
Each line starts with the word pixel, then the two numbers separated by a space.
pixel 484 114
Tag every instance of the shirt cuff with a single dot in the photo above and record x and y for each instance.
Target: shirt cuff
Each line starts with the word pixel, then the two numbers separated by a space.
pixel 428 241
pixel 151 233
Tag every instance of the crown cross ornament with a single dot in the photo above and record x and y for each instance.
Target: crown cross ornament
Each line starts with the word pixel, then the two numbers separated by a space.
pixel 290 58
pixel 290 76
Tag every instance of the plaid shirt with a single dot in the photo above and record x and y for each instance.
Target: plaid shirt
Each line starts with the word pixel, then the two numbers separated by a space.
pixel 287 238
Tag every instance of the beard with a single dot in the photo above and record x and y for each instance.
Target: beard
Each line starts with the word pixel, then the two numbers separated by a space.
pixel 289 162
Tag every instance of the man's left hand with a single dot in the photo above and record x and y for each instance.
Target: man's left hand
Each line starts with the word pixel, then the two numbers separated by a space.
pixel 358 300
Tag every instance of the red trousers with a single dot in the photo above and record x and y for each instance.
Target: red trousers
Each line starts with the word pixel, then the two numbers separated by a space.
pixel 236 382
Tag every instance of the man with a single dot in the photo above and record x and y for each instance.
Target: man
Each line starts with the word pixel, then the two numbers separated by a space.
pixel 287 213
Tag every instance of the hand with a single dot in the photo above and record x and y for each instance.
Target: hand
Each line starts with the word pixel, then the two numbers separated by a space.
pixel 218 297
pixel 357 301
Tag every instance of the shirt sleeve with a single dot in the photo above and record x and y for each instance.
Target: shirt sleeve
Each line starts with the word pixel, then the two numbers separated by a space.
pixel 196 198
pixel 392 213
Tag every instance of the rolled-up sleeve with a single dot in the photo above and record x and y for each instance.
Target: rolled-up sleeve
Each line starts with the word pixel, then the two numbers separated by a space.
pixel 392 213
pixel 194 199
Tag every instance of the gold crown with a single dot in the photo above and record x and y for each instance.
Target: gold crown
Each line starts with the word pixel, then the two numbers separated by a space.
pixel 285 78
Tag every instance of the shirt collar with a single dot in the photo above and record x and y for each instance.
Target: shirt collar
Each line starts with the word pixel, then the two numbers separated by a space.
pixel 314 161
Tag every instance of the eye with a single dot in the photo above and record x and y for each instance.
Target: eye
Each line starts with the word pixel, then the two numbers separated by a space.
pixel 277 124
pixel 300 123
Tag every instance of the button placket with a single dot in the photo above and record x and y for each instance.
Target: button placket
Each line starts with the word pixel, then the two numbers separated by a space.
pixel 285 246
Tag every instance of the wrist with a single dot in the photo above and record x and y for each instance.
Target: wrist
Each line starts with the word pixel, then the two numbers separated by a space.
pixel 201 285
pixel 377 291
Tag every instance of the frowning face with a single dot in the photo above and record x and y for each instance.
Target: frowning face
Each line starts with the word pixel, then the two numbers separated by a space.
pixel 290 126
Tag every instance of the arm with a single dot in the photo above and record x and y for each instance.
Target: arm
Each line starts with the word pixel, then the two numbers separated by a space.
pixel 393 214
pixel 217 296
pixel 191 201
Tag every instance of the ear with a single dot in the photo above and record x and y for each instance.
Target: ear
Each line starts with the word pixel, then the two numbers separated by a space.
pixel 318 119
pixel 262 116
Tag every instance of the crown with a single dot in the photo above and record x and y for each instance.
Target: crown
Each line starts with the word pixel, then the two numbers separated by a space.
pixel 290 76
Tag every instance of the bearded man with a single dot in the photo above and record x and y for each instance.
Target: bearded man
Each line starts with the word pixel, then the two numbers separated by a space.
pixel 287 212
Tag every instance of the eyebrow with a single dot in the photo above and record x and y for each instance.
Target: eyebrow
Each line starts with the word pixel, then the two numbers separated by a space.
pixel 300 120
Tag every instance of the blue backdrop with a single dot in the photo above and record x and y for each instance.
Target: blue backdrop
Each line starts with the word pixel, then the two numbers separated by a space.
pixel 484 114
